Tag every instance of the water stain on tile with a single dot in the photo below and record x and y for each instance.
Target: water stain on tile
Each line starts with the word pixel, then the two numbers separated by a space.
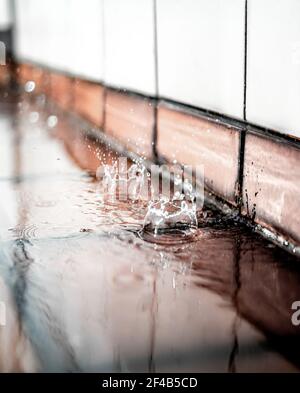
pixel 271 184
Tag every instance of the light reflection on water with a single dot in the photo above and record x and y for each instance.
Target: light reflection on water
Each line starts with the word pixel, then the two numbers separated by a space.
pixel 84 292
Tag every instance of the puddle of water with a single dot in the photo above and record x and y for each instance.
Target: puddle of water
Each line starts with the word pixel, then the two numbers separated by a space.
pixel 84 291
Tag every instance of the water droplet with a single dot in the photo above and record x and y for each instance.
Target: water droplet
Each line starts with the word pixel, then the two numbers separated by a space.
pixel 33 117
pixel 52 121
pixel 29 86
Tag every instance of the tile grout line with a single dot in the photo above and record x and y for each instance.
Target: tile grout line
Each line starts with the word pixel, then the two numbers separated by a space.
pixel 155 102
pixel 12 30
pixel 13 26
pixel 245 61
pixel 104 94
pixel 243 132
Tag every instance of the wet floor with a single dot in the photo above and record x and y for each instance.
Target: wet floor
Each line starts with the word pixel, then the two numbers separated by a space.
pixel 82 291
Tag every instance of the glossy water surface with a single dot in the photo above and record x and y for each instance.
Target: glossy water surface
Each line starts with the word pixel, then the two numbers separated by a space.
pixel 84 291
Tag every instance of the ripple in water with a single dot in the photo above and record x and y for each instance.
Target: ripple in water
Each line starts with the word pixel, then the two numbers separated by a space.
pixel 24 231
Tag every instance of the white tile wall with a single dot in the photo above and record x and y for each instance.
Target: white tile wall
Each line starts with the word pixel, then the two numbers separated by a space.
pixel 129 44
pixel 86 39
pixel 39 35
pixel 26 43
pixel 64 34
pixel 200 50
pixel 5 15
pixel 273 82
pixel 201 53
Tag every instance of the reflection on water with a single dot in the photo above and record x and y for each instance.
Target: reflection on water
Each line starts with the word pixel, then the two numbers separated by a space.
pixel 84 292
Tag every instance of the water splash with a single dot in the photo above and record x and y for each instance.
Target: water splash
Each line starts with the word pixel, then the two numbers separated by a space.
pixel 173 219
pixel 168 215
pixel 109 179
pixel 169 219
pixel 122 184
pixel 137 182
